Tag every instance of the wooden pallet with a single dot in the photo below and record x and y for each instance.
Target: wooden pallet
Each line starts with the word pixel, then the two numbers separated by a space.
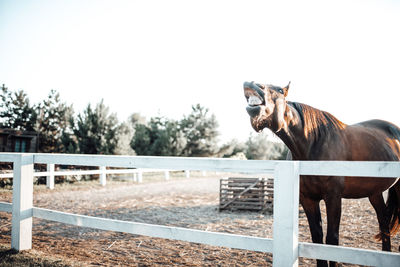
pixel 254 194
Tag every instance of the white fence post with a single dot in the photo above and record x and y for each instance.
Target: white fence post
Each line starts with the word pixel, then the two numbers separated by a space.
pixel 103 175
pixel 286 214
pixel 187 173
pixel 22 203
pixel 50 177
pixel 140 177
pixel 166 175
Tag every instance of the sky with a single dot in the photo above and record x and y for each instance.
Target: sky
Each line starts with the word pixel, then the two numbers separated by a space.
pixel 159 57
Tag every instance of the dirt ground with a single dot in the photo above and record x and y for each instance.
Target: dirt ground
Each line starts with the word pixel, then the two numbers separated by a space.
pixel 191 203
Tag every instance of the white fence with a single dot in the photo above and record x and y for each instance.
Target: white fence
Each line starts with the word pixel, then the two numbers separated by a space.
pixel 285 245
pixel 137 174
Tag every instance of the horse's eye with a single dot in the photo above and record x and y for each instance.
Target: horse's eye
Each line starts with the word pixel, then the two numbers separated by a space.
pixel 281 91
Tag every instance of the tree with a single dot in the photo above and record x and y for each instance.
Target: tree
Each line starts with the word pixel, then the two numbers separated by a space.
pixel 160 137
pixel 200 130
pixel 233 149
pixel 68 139
pixel 126 134
pixel 141 140
pixel 54 125
pixel 194 135
pixel 16 112
pixel 258 147
pixel 135 119
pixel 124 138
pixel 96 130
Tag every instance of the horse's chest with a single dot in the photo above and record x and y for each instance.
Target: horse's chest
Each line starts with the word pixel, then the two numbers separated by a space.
pixel 317 187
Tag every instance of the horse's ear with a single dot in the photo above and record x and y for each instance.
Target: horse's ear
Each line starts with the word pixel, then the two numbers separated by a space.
pixel 286 90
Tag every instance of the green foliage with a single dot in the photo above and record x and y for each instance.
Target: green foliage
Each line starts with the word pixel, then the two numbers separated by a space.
pixel 200 130
pixel 233 149
pixel 135 119
pixel 96 130
pixel 195 135
pixel 124 138
pixel 54 125
pixel 161 137
pixel 259 147
pixel 126 133
pixel 68 140
pixel 141 140
pixel 15 110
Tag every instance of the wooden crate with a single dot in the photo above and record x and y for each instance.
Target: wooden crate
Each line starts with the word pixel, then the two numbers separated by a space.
pixel 255 194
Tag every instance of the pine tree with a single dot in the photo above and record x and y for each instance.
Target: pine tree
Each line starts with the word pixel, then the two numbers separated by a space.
pixel 54 125
pixel 201 131
pixel 96 130
pixel 160 137
pixel 16 112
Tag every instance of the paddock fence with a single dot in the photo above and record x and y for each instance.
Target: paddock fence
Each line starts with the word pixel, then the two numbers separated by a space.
pixel 102 171
pixel 284 246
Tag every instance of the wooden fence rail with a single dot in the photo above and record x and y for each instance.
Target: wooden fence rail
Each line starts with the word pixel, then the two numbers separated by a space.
pixel 285 245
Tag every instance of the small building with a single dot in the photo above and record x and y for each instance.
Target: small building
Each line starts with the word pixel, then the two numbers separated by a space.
pixel 18 141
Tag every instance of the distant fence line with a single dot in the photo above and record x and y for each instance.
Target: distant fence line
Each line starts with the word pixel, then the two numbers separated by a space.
pixel 102 171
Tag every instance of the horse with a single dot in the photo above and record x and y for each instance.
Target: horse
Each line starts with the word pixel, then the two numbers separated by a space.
pixel 313 134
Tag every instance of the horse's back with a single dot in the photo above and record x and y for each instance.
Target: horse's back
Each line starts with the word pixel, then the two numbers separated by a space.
pixel 390 129
pixel 373 140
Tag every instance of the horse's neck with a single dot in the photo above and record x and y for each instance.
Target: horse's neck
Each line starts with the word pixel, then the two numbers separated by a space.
pixel 293 134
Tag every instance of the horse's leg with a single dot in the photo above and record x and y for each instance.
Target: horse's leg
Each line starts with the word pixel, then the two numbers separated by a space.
pixel 313 213
pixel 333 211
pixel 379 205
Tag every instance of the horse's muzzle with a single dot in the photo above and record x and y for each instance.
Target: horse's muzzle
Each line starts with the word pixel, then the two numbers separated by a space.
pixel 253 110
pixel 253 88
pixel 255 97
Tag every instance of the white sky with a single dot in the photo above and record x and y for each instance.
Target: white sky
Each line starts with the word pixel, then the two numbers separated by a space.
pixel 159 57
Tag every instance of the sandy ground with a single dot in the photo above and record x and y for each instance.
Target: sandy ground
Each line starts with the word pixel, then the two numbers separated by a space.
pixel 191 203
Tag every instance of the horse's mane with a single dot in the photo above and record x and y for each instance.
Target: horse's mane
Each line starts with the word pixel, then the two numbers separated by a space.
pixel 316 123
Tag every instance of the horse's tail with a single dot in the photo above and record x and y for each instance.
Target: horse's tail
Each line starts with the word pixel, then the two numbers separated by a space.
pixel 393 201
pixel 393 208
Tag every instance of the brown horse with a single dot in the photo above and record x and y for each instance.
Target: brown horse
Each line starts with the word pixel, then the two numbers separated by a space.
pixel 312 134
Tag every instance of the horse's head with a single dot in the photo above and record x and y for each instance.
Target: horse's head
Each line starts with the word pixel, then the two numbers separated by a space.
pixel 266 105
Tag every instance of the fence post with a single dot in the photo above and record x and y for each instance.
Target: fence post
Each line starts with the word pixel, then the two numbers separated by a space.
pixel 50 176
pixel 140 176
pixel 286 214
pixel 103 175
pixel 22 200
pixel 166 175
pixel 187 173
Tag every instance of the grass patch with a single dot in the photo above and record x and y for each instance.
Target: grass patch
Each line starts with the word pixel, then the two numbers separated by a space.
pixel 10 258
